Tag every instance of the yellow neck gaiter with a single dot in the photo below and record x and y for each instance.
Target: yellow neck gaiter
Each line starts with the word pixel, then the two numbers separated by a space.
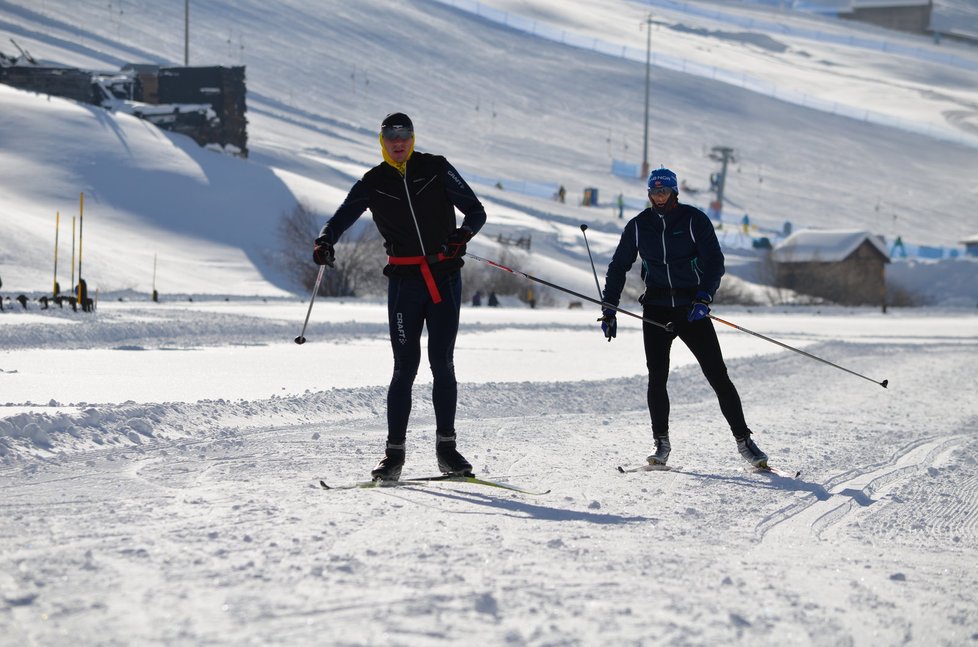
pixel 402 167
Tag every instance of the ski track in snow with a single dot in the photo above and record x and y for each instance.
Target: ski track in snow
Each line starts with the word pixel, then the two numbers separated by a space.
pixel 202 522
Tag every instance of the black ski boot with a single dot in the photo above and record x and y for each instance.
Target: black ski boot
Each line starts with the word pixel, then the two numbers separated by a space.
pixel 661 454
pixel 389 467
pixel 751 452
pixel 449 460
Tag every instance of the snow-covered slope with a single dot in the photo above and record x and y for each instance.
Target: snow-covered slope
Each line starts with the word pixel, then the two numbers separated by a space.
pixel 490 87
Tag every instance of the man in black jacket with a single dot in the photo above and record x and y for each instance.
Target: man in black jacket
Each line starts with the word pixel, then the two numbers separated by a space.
pixel 412 197
pixel 681 264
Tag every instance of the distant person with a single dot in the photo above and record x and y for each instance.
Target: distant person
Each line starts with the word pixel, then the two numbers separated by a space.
pixel 493 300
pixel 745 223
pixel 413 197
pixel 898 248
pixel 682 272
pixel 621 206
pixel 561 194
pixel 477 299
pixel 1 296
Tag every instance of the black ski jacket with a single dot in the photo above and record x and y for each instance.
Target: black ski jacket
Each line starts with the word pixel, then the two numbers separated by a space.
pixel 414 213
pixel 680 256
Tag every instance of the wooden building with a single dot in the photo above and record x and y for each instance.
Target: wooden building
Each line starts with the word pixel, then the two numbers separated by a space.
pixel 903 15
pixel 843 266
pixel 205 103
pixel 221 88
pixel 970 245
pixel 64 82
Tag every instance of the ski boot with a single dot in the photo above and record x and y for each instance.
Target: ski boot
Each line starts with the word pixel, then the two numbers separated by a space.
pixel 751 452
pixel 661 454
pixel 449 460
pixel 389 467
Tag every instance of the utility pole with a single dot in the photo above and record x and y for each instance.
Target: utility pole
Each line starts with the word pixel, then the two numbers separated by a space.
pixel 648 67
pixel 186 33
pixel 81 216
pixel 57 229
pixel 722 154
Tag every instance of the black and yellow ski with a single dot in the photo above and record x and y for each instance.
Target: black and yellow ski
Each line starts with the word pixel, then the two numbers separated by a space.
pixel 431 480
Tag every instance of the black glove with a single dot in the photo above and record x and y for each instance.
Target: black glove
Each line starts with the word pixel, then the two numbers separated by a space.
pixel 323 253
pixel 454 246
pixel 700 306
pixel 609 323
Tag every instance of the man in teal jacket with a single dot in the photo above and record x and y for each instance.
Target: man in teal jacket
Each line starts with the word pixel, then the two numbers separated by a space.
pixel 681 265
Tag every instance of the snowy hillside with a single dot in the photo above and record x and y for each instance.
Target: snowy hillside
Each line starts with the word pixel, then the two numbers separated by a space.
pixel 160 462
pixel 493 91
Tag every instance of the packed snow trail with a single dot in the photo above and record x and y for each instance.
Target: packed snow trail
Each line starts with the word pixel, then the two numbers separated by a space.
pixel 222 534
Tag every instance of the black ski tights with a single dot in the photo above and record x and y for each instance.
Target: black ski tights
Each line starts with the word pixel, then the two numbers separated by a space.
pixel 701 339
pixel 409 310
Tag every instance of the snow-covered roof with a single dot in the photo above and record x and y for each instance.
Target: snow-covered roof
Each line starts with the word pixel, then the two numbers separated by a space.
pixel 824 245
pixel 886 4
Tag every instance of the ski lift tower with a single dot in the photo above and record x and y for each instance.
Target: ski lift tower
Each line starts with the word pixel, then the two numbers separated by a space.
pixel 724 155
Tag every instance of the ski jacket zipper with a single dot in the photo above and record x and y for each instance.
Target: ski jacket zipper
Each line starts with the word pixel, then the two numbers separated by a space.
pixel 414 216
pixel 665 261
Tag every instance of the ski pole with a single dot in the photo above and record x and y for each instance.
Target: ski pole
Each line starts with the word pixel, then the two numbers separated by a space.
pixel 591 258
pixel 319 279
pixel 593 271
pixel 666 326
pixel 775 341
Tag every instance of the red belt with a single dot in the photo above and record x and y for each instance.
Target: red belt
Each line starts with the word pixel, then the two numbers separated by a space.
pixel 424 262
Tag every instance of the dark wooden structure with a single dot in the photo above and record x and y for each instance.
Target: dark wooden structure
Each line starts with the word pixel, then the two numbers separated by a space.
pixel 846 267
pixel 205 103
pixel 970 245
pixel 222 88
pixel 56 81
pixel 903 15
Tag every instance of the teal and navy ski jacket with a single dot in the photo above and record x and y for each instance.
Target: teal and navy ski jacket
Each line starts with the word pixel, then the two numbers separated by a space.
pixel 680 256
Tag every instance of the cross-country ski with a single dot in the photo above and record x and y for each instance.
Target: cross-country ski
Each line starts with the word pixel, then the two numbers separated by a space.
pixel 431 480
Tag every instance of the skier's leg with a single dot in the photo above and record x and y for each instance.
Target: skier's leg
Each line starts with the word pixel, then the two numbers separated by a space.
pixel 701 338
pixel 405 311
pixel 442 321
pixel 442 330
pixel 658 343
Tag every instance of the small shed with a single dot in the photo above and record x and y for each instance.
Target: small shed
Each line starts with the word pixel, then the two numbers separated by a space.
pixel 844 266
pixel 904 15
pixel 970 245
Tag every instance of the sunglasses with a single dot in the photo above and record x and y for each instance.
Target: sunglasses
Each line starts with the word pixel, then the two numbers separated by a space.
pixel 397 134
pixel 660 190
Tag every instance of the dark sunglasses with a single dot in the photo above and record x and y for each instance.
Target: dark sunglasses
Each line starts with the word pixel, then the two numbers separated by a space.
pixel 660 190
pixel 397 134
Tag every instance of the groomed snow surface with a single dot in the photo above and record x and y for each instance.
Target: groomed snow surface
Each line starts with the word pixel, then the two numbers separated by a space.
pixel 134 513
